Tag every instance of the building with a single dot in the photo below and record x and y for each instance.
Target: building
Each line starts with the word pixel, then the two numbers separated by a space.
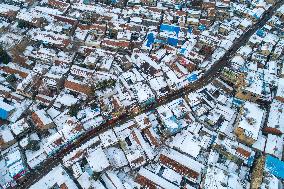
pixel 150 180
pixel 15 163
pixel 97 160
pixel 57 178
pixel 6 137
pixel 20 127
pixel 182 164
pixel 254 87
pixel 275 122
pixel 42 120
pixel 9 11
pixel 280 91
pixel 79 79
pixel 217 178
pixel 249 122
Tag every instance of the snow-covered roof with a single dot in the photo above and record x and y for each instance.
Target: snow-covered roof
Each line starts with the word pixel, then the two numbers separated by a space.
pixel 251 119
pixel 6 107
pixel 19 126
pixel 5 8
pixel 6 134
pixel 97 160
pixel 43 116
pixel 217 178
pixel 186 143
pixel 276 116
pixel 280 90
pixel 108 138
pixel 56 176
pixel 67 100
pixel 184 160
pixel 274 145
pixel 159 181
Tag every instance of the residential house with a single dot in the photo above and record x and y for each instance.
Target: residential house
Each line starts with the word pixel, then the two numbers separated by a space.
pixel 78 79
pixel 6 137
pixel 275 122
pixel 42 120
pixel 182 164
pixel 280 91
pixel 5 110
pixel 9 11
pixel 151 180
pixel 249 123
pixel 97 160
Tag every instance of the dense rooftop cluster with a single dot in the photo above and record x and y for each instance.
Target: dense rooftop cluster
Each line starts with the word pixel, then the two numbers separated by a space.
pixel 124 94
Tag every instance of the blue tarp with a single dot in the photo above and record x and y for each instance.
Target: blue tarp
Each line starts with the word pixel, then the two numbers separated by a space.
pixel 189 30
pixel 243 69
pixel 182 50
pixel 256 16
pixel 150 39
pixel 150 101
pixel 202 27
pixel 275 166
pixel 170 28
pixel 260 33
pixel 238 102
pixel 176 129
pixel 192 78
pixel 250 160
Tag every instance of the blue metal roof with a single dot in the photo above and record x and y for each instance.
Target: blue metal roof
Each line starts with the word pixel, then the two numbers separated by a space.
pixel 170 28
pixel 4 114
pixel 182 50
pixel 192 77
pixel 275 166
pixel 150 39
pixel 172 41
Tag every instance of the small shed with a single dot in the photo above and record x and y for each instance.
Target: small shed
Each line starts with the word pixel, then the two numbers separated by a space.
pixel 5 110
